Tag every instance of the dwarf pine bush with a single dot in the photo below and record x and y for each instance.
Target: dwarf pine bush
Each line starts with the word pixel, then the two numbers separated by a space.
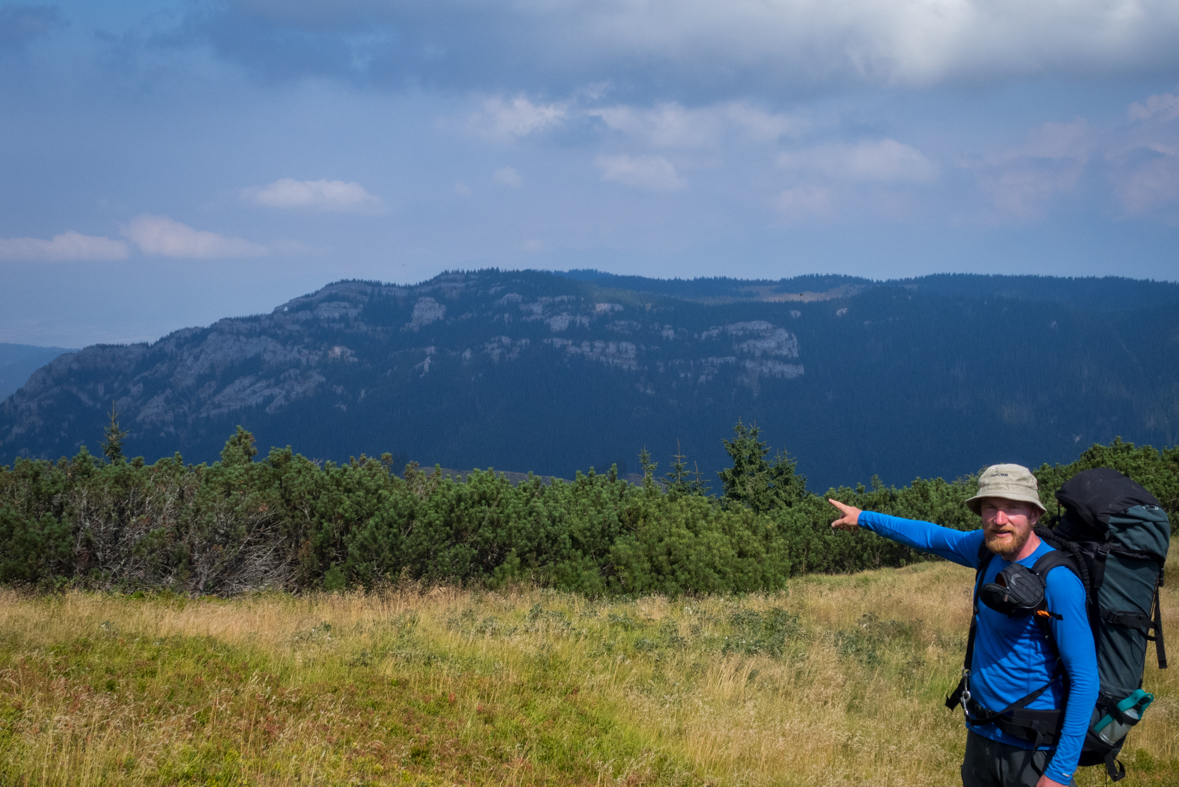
pixel 286 522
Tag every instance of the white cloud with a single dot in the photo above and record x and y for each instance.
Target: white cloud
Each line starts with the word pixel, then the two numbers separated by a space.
pixel 69 246
pixel 649 173
pixel 1151 182
pixel 1143 159
pixel 805 202
pixel 1054 141
pixel 1144 165
pixel 326 195
pixel 292 247
pixel 1026 191
pixel 462 189
pixel 1164 106
pixel 518 117
pixel 884 160
pixel 664 125
pixel 164 237
pixel 669 124
pixel 761 125
pixel 508 176
pixel 1022 180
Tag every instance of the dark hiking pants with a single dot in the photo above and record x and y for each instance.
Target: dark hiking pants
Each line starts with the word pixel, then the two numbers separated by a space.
pixel 989 763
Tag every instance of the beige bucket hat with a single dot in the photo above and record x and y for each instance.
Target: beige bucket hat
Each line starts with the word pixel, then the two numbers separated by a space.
pixel 1010 482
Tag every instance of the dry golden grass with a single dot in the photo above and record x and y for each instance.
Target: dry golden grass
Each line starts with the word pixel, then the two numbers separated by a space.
pixel 837 680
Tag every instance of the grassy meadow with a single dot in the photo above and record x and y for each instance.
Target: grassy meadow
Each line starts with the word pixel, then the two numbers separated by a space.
pixel 836 680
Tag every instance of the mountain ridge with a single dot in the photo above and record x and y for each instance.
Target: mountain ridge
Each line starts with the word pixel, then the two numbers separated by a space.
pixel 543 372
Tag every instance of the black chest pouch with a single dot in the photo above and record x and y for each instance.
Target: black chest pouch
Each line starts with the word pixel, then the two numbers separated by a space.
pixel 1016 592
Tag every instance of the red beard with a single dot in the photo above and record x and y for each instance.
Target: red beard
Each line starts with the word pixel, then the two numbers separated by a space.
pixel 1008 548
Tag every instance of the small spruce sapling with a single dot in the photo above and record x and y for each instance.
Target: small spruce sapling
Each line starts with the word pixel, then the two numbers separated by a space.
pixel 649 468
pixel 698 486
pixel 678 484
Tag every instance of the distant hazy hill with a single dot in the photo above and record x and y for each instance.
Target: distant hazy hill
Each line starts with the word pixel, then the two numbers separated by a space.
pixel 556 373
pixel 18 361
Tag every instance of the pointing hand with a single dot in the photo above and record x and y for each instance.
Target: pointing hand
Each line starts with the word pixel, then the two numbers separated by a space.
pixel 850 519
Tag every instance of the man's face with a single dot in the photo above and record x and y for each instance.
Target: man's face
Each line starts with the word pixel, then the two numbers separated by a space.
pixel 1008 525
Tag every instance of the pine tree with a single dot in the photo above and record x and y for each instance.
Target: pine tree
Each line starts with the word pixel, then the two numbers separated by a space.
pixel 649 469
pixel 239 449
pixel 677 480
pixel 113 437
pixel 754 482
pixel 789 487
pixel 698 486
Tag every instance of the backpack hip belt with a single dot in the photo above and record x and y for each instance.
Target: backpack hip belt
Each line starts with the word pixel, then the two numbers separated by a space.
pixel 1039 727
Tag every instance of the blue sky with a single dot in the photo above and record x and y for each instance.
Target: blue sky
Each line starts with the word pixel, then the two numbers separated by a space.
pixel 165 164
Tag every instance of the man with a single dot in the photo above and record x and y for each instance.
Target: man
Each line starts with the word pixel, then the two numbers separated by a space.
pixel 1012 657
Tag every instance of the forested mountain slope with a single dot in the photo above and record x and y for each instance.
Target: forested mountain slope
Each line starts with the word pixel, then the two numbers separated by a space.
pixel 556 373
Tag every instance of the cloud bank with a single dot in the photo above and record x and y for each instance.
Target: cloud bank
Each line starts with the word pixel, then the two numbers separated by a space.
pixel 689 48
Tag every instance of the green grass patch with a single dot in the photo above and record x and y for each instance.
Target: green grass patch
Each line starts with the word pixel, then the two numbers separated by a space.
pixel 836 680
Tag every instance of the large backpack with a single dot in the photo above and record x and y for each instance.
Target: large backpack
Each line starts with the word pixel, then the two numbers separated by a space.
pixel 1114 536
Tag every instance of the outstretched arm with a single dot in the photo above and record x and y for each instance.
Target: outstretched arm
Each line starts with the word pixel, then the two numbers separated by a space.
pixel 954 545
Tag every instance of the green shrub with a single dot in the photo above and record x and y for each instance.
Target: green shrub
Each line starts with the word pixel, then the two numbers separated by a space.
pixel 286 522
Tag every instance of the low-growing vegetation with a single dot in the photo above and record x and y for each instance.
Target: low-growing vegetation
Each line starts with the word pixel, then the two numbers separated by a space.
pixel 288 523
pixel 445 632
pixel 830 680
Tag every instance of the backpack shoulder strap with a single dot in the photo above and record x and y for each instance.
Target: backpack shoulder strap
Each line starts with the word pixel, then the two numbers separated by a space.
pixel 1060 555
pixel 1053 559
pixel 984 560
pixel 1160 650
pixel 1069 548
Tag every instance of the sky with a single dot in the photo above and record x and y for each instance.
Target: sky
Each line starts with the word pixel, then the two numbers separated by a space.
pixel 168 163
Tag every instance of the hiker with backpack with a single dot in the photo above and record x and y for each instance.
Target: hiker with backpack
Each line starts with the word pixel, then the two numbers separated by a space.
pixel 1015 673
pixel 1052 677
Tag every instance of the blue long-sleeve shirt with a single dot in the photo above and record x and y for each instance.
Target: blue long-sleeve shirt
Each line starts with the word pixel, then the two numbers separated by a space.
pixel 1011 656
